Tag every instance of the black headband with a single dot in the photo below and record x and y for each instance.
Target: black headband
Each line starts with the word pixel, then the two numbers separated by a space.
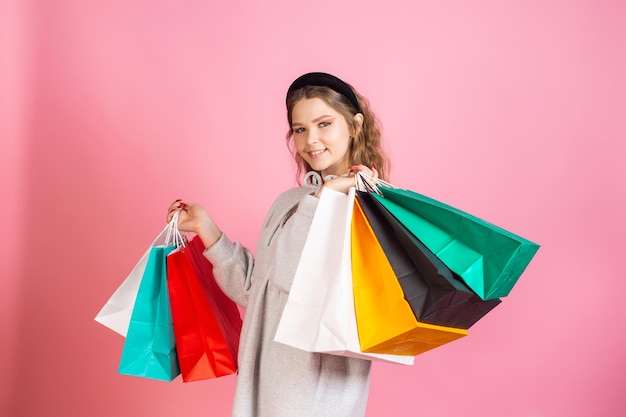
pixel 321 79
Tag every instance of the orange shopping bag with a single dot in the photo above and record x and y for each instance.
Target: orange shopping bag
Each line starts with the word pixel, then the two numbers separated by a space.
pixel 385 321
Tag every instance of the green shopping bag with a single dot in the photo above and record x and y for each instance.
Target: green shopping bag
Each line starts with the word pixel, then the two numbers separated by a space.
pixel 488 258
pixel 149 350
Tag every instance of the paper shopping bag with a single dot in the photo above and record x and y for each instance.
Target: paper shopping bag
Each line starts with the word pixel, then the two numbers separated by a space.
pixel 488 258
pixel 436 295
pixel 319 314
pixel 207 323
pixel 385 321
pixel 149 349
pixel 115 314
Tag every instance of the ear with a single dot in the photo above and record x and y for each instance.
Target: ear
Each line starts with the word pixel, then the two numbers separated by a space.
pixel 358 118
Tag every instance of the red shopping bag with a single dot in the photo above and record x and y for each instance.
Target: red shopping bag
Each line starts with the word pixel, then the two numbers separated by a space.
pixel 207 323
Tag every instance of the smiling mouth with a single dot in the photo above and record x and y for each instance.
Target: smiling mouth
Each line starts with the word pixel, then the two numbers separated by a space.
pixel 314 154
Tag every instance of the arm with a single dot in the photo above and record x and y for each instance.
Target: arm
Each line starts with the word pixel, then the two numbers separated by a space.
pixel 232 263
pixel 232 268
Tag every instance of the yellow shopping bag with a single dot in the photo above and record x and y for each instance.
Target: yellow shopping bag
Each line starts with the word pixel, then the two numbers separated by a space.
pixel 385 321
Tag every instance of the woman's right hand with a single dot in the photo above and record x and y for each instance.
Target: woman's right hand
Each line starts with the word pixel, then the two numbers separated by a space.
pixel 194 218
pixel 343 183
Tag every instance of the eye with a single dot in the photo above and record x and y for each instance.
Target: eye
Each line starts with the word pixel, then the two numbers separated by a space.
pixel 324 124
pixel 298 130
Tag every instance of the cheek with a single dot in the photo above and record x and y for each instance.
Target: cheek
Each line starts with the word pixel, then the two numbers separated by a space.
pixel 341 140
pixel 299 143
pixel 341 135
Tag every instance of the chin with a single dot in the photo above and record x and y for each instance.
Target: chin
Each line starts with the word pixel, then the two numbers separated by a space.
pixel 318 168
pixel 315 165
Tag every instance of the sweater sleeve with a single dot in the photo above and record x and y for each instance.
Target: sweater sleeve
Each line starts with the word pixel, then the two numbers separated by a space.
pixel 232 268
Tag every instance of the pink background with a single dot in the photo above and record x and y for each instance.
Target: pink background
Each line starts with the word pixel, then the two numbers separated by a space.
pixel 514 111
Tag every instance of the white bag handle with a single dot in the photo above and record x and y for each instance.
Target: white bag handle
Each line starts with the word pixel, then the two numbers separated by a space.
pixel 173 236
pixel 367 183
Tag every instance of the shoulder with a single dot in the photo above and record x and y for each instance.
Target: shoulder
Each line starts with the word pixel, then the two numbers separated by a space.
pixel 286 202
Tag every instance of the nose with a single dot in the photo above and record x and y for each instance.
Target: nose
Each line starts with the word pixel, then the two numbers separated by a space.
pixel 312 136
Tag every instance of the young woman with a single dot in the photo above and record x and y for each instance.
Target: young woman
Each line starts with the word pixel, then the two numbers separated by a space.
pixel 334 135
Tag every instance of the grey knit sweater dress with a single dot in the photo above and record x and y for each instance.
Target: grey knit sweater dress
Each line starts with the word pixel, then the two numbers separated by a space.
pixel 276 380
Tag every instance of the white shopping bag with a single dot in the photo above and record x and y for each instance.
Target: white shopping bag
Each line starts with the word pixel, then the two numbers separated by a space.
pixel 319 315
pixel 117 311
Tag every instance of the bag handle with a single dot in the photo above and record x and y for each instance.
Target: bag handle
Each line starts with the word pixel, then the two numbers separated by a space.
pixel 367 183
pixel 173 236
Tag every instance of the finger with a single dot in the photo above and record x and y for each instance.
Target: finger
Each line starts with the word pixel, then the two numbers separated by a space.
pixel 176 205
pixel 171 213
pixel 180 207
pixel 374 171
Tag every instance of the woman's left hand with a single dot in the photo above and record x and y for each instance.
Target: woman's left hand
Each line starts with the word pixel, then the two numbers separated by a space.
pixel 344 182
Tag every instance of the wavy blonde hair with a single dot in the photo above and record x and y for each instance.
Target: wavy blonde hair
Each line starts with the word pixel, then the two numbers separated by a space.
pixel 366 145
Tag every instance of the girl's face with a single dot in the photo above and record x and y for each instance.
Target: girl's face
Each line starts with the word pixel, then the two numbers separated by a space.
pixel 321 136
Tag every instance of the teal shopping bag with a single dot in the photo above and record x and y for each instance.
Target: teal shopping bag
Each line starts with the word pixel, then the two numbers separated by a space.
pixel 149 350
pixel 488 258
